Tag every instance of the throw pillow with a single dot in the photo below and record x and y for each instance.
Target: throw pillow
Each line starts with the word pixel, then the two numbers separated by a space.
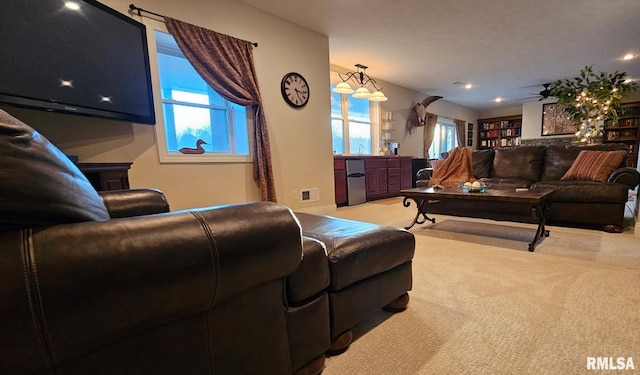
pixel 39 185
pixel 594 165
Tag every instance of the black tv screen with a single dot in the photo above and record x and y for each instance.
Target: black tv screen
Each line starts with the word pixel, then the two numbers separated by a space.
pixel 75 56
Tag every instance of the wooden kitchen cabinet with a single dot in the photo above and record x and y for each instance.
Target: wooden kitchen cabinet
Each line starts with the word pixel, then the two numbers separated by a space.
pixel 406 173
pixel 394 176
pixel 385 176
pixel 375 171
pixel 340 180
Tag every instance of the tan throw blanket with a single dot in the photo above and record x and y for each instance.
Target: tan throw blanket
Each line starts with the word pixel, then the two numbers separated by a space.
pixel 457 167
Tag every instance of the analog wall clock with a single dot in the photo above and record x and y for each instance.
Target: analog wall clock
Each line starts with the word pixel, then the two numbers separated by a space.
pixel 295 90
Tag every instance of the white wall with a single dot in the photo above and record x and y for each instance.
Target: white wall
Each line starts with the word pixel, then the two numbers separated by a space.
pixel 532 120
pixel 401 102
pixel 300 139
pixel 501 112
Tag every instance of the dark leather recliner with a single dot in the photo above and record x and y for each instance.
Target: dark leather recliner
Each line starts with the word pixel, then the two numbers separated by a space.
pixel 115 284
pixel 178 293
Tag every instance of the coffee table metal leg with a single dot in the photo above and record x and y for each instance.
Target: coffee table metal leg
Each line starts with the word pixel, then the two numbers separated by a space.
pixel 421 216
pixel 541 232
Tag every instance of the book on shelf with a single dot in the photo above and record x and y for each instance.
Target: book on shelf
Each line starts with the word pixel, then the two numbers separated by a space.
pixel 627 122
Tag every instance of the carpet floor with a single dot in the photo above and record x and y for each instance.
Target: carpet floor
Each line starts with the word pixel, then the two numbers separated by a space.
pixel 482 304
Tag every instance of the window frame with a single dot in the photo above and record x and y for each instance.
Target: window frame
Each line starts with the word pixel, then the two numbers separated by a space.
pixel 166 156
pixel 440 123
pixel 374 119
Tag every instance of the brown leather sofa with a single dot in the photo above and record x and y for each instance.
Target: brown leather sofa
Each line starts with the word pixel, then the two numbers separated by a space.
pixel 575 202
pixel 115 283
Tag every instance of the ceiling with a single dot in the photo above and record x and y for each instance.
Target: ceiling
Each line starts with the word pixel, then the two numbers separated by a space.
pixel 504 48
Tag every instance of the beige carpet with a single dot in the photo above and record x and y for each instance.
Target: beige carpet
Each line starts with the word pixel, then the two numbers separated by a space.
pixel 482 304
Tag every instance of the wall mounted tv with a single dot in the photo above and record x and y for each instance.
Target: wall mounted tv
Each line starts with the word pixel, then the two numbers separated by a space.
pixel 75 56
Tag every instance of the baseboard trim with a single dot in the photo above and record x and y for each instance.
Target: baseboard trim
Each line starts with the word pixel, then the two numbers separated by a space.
pixel 319 210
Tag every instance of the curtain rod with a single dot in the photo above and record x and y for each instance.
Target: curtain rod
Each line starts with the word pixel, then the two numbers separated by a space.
pixel 140 10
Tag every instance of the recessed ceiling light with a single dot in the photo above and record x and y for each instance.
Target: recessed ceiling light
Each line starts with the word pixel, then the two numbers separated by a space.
pixel 498 100
pixel 629 56
pixel 465 85
pixel 72 5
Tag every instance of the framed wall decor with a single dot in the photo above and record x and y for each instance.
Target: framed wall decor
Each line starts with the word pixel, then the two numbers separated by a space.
pixel 554 120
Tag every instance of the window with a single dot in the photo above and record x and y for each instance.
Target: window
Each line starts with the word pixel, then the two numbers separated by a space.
pixel 352 123
pixel 444 138
pixel 192 110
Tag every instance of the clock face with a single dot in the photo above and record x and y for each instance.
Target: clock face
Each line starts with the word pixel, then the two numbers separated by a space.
pixel 295 90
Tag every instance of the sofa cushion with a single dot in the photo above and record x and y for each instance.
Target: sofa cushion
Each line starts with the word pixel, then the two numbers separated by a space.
pixel 557 161
pixel 505 183
pixel 39 185
pixel 585 191
pixel 523 162
pixel 482 160
pixel 594 165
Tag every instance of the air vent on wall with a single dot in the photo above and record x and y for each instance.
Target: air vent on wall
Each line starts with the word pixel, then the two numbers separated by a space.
pixel 310 195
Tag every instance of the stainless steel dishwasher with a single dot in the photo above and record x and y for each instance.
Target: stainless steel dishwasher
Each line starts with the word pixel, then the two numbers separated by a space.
pixel 356 186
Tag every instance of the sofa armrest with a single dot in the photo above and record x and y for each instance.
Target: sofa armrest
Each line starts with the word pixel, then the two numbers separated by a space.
pixel 312 277
pixel 87 286
pixel 424 174
pixel 627 176
pixel 134 202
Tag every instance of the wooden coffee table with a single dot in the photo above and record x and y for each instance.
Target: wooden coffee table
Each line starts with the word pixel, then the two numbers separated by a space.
pixel 496 204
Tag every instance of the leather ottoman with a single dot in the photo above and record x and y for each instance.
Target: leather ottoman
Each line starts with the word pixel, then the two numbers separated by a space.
pixel 369 268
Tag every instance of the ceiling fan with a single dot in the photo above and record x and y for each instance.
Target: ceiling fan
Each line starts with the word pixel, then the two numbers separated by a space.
pixel 542 95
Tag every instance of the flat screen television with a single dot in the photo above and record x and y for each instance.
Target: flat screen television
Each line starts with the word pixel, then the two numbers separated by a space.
pixel 77 57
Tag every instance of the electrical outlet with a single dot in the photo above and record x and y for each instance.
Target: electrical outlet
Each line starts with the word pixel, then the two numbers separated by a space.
pixel 295 195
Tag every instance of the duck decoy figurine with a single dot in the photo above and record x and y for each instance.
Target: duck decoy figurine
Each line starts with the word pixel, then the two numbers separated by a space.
pixel 197 150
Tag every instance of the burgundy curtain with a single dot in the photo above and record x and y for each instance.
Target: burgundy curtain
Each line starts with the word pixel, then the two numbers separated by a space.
pixel 460 132
pixel 226 64
pixel 429 132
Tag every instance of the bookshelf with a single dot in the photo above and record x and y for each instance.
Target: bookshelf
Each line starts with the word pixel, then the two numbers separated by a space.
pixel 499 132
pixel 627 131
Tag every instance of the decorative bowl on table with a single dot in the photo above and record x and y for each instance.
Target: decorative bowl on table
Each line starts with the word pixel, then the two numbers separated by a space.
pixel 472 187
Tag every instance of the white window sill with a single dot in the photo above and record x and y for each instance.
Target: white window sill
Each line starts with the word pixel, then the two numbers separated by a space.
pixel 204 158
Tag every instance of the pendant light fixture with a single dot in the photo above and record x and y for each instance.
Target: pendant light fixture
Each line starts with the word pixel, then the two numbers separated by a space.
pixel 364 84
